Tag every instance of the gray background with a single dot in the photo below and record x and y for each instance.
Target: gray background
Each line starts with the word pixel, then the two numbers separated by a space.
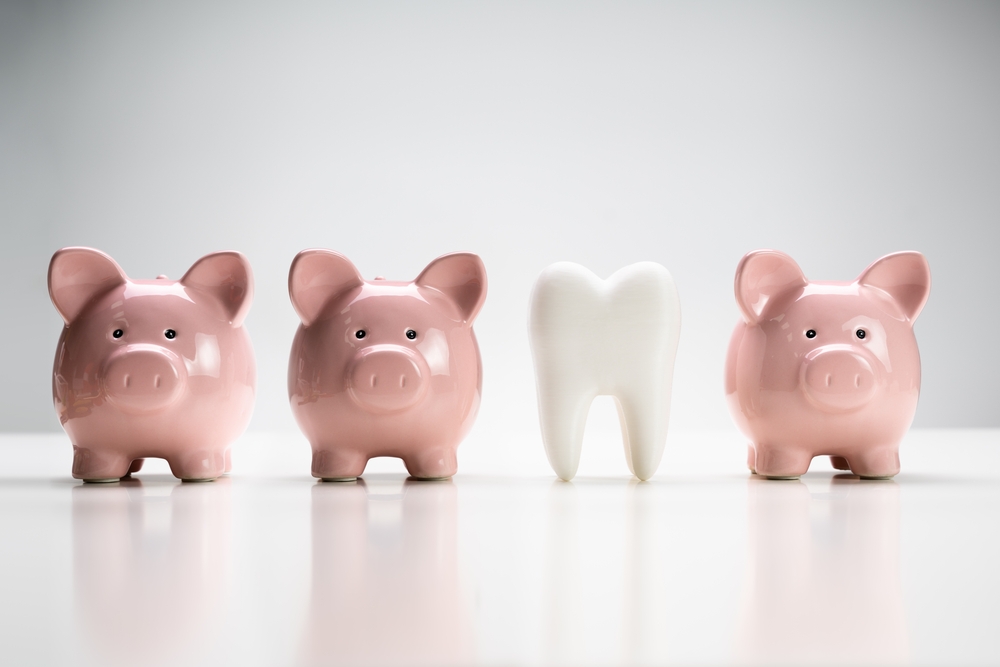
pixel 684 133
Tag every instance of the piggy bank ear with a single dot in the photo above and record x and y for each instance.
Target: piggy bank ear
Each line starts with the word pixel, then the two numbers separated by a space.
pixel 762 276
pixel 226 276
pixel 904 276
pixel 461 277
pixel 316 277
pixel 77 276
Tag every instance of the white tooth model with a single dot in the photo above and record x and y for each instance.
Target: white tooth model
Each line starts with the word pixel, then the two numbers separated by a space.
pixel 593 337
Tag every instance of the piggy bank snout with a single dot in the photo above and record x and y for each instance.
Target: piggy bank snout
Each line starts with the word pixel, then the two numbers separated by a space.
pixel 143 378
pixel 838 378
pixel 387 378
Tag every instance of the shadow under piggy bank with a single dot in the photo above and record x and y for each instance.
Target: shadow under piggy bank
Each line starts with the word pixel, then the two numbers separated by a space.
pixel 385 578
pixel 822 582
pixel 150 565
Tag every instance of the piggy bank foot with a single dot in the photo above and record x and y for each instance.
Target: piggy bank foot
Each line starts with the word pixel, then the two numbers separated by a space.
pixel 338 465
pixel 880 463
pixel 839 463
pixel 99 467
pixel 752 459
pixel 199 466
pixel 781 462
pixel 432 464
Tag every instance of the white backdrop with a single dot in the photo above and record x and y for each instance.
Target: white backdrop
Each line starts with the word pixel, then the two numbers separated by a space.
pixel 605 134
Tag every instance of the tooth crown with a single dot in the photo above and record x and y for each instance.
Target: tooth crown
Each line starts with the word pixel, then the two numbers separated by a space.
pixel 593 337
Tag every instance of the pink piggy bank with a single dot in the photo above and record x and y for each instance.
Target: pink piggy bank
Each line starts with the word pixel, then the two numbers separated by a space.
pixel 152 368
pixel 385 368
pixel 825 367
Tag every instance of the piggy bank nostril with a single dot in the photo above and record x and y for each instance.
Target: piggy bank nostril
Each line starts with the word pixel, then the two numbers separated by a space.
pixel 402 382
pixel 156 381
pixel 857 380
pixel 127 381
pixel 374 380
pixel 829 379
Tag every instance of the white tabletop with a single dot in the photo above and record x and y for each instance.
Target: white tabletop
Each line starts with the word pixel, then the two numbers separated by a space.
pixel 504 565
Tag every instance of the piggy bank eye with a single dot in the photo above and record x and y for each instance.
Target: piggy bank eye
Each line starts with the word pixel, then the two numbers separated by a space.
pixel 411 334
pixel 117 333
pixel 811 333
pixel 170 334
pixel 360 333
pixel 860 333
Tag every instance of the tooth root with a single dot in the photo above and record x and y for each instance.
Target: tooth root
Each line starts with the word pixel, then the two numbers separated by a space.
pixel 644 416
pixel 562 413
pixel 614 337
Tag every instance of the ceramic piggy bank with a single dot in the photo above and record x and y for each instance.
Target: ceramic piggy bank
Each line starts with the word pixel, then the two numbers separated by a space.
pixel 825 368
pixel 152 368
pixel 382 368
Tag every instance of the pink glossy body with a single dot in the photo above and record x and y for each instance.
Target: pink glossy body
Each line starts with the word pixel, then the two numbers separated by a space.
pixel 152 368
pixel 825 368
pixel 408 385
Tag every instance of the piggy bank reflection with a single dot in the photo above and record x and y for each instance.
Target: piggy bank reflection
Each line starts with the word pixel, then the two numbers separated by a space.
pixel 150 569
pixel 386 587
pixel 822 579
pixel 825 367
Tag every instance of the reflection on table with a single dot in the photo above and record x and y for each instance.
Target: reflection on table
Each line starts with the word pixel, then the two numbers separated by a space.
pixel 630 516
pixel 385 575
pixel 150 568
pixel 823 580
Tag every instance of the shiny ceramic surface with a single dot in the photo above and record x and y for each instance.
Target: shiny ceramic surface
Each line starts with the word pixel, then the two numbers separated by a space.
pixel 152 368
pixel 593 337
pixel 825 368
pixel 385 368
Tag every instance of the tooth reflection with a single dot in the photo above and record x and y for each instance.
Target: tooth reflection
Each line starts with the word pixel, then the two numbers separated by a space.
pixel 150 566
pixel 562 605
pixel 385 575
pixel 605 599
pixel 823 578
pixel 646 599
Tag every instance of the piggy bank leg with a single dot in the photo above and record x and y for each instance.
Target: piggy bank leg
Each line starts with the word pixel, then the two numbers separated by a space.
pixel 876 462
pixel 781 462
pixel 92 465
pixel 752 459
pixel 438 463
pixel 336 464
pixel 198 466
pixel 229 460
pixel 839 463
